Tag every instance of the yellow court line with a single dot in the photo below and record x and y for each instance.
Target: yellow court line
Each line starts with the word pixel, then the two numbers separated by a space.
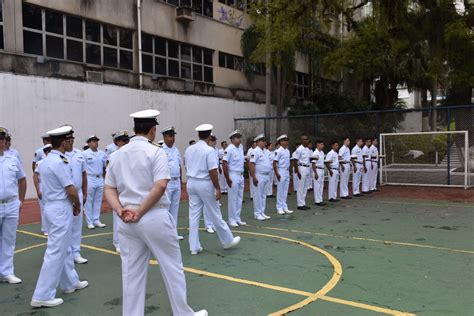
pixel 399 243
pixel 30 247
pixel 310 297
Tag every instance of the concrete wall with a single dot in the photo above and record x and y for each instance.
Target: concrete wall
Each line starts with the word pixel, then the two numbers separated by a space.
pixel 30 106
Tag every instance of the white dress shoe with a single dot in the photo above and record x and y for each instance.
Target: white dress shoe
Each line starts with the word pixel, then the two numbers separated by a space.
pixel 99 224
pixel 80 260
pixel 288 211
pixel 241 223
pixel 45 234
pixel 90 226
pixel 12 279
pixel 197 251
pixel 281 212
pixel 78 286
pixel 202 312
pixel 260 218
pixel 117 250
pixel 234 225
pixel 50 303
pixel 210 230
pixel 180 237
pixel 233 243
pixel 266 216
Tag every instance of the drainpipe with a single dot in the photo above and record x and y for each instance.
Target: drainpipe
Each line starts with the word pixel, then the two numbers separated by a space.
pixel 139 28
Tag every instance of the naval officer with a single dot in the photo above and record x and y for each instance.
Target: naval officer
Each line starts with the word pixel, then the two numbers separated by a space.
pixel 12 195
pixel 345 157
pixel 301 166
pixel 317 159
pixel 358 165
pixel 61 205
pixel 135 187
pixel 203 189
pixel 39 153
pixel 233 165
pixel 281 167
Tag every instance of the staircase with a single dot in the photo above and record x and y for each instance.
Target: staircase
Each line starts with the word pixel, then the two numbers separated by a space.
pixel 455 160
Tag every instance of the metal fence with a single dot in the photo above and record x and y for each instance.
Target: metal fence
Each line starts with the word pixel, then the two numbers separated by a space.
pixel 335 126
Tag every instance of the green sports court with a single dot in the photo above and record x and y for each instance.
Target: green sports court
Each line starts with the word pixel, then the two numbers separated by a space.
pixel 387 253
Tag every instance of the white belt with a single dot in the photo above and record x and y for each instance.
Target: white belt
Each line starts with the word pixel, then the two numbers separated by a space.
pixel 5 201
pixel 236 172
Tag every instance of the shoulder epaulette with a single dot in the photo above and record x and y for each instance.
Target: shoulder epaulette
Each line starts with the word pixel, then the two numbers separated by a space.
pixel 155 144
pixel 64 159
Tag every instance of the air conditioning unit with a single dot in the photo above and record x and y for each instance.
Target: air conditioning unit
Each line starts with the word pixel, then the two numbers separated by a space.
pixel 184 14
pixel 94 76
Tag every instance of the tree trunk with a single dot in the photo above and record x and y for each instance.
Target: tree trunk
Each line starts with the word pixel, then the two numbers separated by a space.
pixel 434 96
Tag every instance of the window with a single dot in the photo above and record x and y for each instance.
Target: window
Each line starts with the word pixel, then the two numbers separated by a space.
pixel 2 45
pixel 237 63
pixel 301 85
pixel 238 4
pixel 165 57
pixel 56 35
pixel 202 7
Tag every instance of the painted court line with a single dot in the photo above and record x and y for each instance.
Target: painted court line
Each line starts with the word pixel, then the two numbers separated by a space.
pixel 310 297
pixel 365 239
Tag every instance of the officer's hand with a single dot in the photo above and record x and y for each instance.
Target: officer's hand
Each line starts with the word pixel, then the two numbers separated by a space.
pixel 298 174
pixel 316 177
pixel 365 169
pixel 76 210
pixel 130 216
pixel 84 199
pixel 255 182
pixel 218 195
pixel 21 206
pixel 229 183
pixel 40 196
pixel 342 168
pixel 330 173
pixel 278 177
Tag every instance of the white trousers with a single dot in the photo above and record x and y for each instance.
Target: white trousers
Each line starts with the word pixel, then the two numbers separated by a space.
pixel 282 190
pixel 9 214
pixel 375 173
pixel 44 225
pixel 356 177
pixel 309 179
pixel 58 263
pixel 269 187
pixel 302 185
pixel 252 187
pixel 173 190
pixel 76 234
pixel 260 196
pixel 155 234
pixel 202 198
pixel 332 186
pixel 295 182
pixel 318 186
pixel 115 223
pixel 235 197
pixel 95 191
pixel 366 176
pixel 223 182
pixel 344 181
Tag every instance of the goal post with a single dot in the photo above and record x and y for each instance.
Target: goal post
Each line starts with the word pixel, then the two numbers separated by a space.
pixel 439 159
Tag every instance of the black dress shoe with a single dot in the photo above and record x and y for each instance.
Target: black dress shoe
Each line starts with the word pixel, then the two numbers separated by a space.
pixel 358 195
pixel 301 208
pixel 333 200
pixel 346 197
pixel 366 192
pixel 270 196
pixel 376 190
pixel 320 204
pixel 307 207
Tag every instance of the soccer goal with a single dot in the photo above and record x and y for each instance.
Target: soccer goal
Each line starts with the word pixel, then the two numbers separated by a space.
pixel 426 159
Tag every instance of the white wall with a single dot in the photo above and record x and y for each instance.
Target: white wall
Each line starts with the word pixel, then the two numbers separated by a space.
pixel 30 106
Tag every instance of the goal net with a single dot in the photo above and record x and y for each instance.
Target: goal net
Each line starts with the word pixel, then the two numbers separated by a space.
pixel 427 159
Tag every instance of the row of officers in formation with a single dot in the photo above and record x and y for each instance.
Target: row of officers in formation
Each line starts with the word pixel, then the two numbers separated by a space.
pixel 141 180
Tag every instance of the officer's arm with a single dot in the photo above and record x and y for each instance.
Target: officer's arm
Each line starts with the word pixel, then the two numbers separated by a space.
pixel 112 197
pixel 36 183
pixel 74 198
pixel 22 189
pixel 84 186
pixel 225 167
pixel 157 191
pixel 33 166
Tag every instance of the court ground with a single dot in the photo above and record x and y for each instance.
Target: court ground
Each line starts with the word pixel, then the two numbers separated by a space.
pixel 385 253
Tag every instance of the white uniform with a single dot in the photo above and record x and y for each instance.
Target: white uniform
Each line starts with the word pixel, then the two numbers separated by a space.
pixel 95 164
pixel 200 159
pixel 235 162
pixel 39 155
pixel 58 264
pixel 309 179
pixel 222 182
pixel 333 157
pixel 318 185
pixel 282 157
pixel 251 186
pixel 374 155
pixel 13 152
pixel 263 172
pixel 44 225
pixel 109 150
pixel 11 171
pixel 345 154
pixel 269 187
pixel 174 185
pixel 78 166
pixel 359 168
pixel 133 170
pixel 302 155
pixel 368 166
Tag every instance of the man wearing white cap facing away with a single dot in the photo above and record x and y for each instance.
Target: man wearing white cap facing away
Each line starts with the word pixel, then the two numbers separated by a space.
pixel 36 181
pixel 110 148
pixel 260 169
pixel 61 205
pixel 317 160
pixel 233 165
pixel 281 166
pixel 95 167
pixel 39 153
pixel 135 187
pixel 204 190
pixel 174 162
